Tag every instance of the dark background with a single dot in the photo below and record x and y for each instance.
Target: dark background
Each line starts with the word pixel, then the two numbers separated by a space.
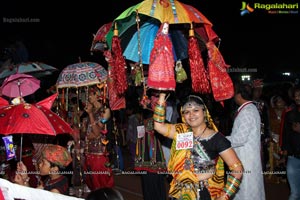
pixel 268 43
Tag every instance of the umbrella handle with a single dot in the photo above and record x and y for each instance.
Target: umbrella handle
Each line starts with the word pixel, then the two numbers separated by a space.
pixel 21 146
pixel 19 87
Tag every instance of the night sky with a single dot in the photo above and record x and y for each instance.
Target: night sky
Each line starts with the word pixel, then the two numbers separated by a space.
pixel 256 40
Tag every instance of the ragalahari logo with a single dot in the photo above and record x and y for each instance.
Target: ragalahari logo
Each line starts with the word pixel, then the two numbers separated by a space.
pixel 246 9
pixel 270 8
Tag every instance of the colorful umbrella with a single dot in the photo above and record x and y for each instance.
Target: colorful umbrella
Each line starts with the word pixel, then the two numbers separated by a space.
pixel 147 33
pixel 37 69
pixel 99 40
pixel 171 11
pixel 19 85
pixel 138 26
pixel 81 74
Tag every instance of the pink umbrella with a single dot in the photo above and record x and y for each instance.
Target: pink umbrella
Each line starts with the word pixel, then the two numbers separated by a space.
pixel 19 85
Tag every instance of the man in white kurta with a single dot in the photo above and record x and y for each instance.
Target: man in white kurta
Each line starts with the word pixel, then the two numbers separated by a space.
pixel 245 139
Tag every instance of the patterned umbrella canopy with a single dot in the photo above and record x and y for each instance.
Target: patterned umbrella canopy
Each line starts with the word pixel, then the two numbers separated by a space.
pixel 81 74
pixel 138 25
pixel 171 11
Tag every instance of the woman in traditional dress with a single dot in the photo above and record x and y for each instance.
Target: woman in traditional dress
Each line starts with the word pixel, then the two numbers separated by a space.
pixel 195 152
pixel 98 174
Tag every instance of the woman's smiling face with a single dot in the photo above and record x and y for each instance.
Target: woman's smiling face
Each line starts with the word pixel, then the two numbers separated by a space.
pixel 193 114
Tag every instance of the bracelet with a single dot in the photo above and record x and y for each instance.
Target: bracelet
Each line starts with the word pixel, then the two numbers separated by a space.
pixel 159 119
pixel 231 186
pixel 159 110
pixel 235 165
pixel 159 113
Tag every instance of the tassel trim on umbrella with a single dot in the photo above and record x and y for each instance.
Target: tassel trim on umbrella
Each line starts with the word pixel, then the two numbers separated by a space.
pixel 119 64
pixel 199 76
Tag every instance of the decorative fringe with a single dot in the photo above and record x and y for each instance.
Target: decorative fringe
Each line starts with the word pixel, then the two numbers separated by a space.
pixel 118 67
pixel 200 80
pixel 221 83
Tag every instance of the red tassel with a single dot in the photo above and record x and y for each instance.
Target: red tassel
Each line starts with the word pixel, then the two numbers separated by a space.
pixel 118 68
pixel 200 81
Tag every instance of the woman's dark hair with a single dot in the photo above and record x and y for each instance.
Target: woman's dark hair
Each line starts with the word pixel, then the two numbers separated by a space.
pixel 193 98
pixel 60 168
pixel 104 194
pixel 244 89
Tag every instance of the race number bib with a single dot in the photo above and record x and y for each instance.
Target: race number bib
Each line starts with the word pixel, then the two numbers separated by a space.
pixel 184 141
pixel 140 131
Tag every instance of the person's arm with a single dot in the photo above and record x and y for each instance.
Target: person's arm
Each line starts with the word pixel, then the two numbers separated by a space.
pixel 234 178
pixel 96 126
pixel 159 117
pixel 21 176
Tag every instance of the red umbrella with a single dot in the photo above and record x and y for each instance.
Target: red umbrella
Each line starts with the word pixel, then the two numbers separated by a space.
pixel 26 118
pixel 19 85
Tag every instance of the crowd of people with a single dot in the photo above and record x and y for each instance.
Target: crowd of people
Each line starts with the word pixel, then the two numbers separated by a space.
pixel 178 139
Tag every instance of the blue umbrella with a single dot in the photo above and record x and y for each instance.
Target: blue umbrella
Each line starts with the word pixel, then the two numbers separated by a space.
pixel 147 34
